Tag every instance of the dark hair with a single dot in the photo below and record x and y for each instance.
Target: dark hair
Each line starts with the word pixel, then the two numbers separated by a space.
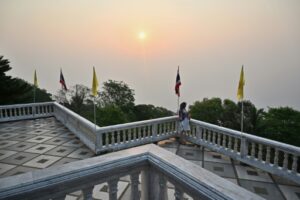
pixel 182 105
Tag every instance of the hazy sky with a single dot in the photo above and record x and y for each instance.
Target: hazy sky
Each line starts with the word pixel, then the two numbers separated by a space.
pixel 209 39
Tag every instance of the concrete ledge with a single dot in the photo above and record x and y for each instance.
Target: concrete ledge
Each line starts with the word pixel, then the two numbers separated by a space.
pixel 196 181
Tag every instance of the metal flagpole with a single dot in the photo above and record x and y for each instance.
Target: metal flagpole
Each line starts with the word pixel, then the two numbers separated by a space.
pixel 242 117
pixel 178 105
pixel 95 113
pixel 34 94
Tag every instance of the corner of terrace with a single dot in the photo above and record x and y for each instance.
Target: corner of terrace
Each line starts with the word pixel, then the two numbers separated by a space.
pixel 125 150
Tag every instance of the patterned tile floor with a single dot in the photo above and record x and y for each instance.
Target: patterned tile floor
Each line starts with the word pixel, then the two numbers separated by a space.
pixel 37 144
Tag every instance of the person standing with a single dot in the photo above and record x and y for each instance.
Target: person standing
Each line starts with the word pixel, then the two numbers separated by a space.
pixel 184 118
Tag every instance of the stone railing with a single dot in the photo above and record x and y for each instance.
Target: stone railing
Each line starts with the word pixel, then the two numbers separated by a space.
pixel 275 157
pixel 128 135
pixel 153 164
pixel 81 127
pixel 25 111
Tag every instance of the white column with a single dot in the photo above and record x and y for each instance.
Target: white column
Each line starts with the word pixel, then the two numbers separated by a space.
pixel 268 156
pixel 135 193
pixel 260 147
pixel 113 189
pixel 178 194
pixel 295 164
pixel 163 194
pixel 88 193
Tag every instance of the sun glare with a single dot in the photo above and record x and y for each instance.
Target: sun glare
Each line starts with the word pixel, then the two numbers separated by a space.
pixel 142 35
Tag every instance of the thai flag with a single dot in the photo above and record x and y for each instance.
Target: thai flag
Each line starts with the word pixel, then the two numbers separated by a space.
pixel 178 83
pixel 62 81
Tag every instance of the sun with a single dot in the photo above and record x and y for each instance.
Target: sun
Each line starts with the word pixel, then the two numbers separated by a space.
pixel 142 35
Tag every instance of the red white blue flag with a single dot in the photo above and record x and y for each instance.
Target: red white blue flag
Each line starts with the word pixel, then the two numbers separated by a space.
pixel 62 81
pixel 178 83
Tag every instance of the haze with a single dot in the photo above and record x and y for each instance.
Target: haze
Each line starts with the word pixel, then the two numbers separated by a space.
pixel 209 39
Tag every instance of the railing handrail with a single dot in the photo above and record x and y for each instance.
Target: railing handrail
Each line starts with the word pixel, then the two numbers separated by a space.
pixel 88 124
pixel 275 144
pixel 26 105
pixel 135 124
pixel 187 175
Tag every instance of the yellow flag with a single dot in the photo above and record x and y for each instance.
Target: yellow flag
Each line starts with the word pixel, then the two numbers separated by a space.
pixel 240 92
pixel 35 82
pixel 95 83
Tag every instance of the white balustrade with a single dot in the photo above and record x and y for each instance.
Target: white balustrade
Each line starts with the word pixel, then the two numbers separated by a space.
pixel 235 144
pixel 157 165
pixel 275 157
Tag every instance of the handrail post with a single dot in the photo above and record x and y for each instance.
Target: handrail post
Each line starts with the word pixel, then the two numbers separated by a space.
pixel 154 131
pixel 244 147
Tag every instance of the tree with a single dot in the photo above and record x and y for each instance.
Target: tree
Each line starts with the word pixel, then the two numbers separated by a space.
pixel 252 117
pixel 282 124
pixel 111 115
pixel 118 94
pixel 208 110
pixel 61 97
pixel 79 98
pixel 15 90
pixel 144 112
pixel 230 117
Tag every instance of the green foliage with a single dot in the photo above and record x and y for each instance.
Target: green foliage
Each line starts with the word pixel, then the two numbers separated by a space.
pixel 282 124
pixel 111 115
pixel 118 94
pixel 208 110
pixel 144 112
pixel 15 90
pixel 79 98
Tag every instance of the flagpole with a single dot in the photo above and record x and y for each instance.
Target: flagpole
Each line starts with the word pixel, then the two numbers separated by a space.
pixel 95 113
pixel 178 104
pixel 34 93
pixel 242 117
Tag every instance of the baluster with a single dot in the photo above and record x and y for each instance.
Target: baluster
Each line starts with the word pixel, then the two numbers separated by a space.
pixel 235 147
pixel 178 194
pixel 106 139
pixel 134 134
pixel 135 194
pixel 276 158
pixel 113 189
pixel 209 136
pixel 204 135
pixel 219 139
pixel 22 111
pixel 253 150
pixel 139 133
pixel 146 131
pixel 124 136
pixel 113 137
pixel 295 164
pixel 88 193
pixel 285 161
pixel 165 128
pixel 224 141
pixel 154 131
pixel 118 137
pixel 129 135
pixel 229 142
pixel 160 129
pixel 268 156
pixel 214 137
pixel 163 188
pixel 260 147
pixel 1 116
pixel 198 132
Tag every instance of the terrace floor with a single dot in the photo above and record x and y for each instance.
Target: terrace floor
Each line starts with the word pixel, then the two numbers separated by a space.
pixel 36 144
